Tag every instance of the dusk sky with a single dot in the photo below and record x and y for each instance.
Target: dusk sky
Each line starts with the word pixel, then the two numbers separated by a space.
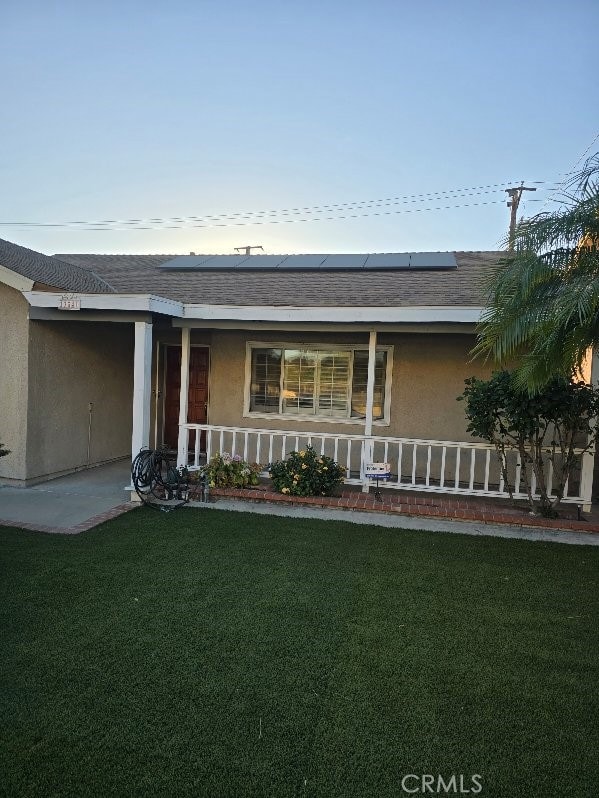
pixel 154 110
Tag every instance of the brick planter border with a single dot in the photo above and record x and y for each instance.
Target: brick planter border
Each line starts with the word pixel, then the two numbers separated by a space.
pixel 419 506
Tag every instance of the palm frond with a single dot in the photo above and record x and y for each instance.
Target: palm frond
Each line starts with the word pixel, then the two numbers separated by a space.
pixel 543 297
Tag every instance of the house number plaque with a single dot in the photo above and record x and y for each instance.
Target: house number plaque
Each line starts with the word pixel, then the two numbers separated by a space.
pixel 69 302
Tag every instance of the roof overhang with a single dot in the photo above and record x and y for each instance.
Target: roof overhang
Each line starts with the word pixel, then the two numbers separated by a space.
pixel 15 280
pixel 128 302
pixel 363 315
pixel 187 314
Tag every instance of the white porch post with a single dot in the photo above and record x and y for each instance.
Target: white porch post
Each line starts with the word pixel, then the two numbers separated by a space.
pixel 588 458
pixel 368 445
pixel 183 398
pixel 142 378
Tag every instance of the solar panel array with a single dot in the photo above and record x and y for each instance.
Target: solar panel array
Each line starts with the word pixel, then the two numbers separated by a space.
pixel 392 261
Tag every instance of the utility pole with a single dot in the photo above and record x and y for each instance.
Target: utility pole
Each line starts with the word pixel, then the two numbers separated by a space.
pixel 248 250
pixel 515 195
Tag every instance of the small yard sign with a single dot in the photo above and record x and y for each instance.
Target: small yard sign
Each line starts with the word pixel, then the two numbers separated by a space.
pixel 378 470
pixel 69 302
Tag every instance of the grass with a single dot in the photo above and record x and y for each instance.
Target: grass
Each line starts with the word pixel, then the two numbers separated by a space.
pixel 223 654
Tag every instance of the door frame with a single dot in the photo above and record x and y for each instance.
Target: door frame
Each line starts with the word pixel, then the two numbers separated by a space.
pixel 162 354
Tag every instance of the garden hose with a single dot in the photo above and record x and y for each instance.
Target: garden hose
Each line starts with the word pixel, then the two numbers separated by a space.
pixel 157 481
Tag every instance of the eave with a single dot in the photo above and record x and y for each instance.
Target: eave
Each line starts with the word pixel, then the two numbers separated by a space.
pixel 189 314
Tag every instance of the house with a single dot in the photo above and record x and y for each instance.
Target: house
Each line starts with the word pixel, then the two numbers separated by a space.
pixel 361 355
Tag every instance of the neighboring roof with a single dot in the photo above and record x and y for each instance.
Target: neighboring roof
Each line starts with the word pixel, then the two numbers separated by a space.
pixel 140 274
pixel 49 270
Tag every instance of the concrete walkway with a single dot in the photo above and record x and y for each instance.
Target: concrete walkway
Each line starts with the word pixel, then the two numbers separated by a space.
pixel 68 501
pixel 406 522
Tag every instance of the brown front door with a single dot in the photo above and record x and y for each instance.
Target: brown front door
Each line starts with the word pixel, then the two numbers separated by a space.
pixel 197 396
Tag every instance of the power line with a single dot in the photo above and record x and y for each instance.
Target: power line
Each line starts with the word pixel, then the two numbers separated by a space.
pixel 584 153
pixel 290 221
pixel 192 221
pixel 559 186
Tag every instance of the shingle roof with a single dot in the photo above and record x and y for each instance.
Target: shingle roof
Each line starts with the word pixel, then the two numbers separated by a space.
pixel 50 270
pixel 140 274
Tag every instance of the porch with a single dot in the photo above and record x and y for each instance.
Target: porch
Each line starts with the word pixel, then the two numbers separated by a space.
pixel 418 464
pixel 80 501
pixel 455 468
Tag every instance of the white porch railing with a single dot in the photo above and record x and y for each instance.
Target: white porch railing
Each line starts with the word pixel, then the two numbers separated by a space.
pixel 457 467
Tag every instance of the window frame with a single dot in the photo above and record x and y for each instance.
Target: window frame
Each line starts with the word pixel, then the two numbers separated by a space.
pixel 251 345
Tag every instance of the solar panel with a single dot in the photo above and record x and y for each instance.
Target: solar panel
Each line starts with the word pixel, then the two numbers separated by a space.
pixel 185 262
pixel 301 262
pixel 389 260
pixel 344 262
pixel 264 262
pixel 223 262
pixel 432 260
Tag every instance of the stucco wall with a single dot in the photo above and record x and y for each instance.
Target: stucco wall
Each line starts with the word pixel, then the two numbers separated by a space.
pixel 71 365
pixel 428 375
pixel 13 381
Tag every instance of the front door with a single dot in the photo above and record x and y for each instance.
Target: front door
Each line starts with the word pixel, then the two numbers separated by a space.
pixel 197 396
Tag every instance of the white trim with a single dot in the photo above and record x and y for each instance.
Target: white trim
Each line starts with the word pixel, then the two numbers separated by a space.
pixel 157 392
pixel 388 386
pixel 356 422
pixel 142 387
pixel 265 445
pixel 147 302
pixel 437 328
pixel 370 382
pixel 588 459
pixel 367 446
pixel 328 345
pixel 183 397
pixel 438 313
pixel 260 313
pixel 247 413
pixel 15 280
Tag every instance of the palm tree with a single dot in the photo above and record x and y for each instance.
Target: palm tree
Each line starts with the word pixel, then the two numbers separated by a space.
pixel 543 311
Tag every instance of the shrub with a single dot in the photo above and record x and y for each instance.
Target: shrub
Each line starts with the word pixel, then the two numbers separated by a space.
pixel 306 474
pixel 543 427
pixel 3 451
pixel 226 471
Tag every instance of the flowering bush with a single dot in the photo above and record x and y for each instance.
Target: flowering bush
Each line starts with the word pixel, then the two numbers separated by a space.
pixel 226 471
pixel 306 474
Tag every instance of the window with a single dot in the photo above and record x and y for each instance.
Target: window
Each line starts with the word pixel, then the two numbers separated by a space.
pixel 315 382
pixel 360 380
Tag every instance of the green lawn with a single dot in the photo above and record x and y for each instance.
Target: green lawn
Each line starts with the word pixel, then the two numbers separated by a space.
pixel 205 653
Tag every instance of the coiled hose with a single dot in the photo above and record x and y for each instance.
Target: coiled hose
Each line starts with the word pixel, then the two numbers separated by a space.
pixel 157 481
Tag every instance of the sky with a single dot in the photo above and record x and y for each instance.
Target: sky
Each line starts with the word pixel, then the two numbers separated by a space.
pixel 168 110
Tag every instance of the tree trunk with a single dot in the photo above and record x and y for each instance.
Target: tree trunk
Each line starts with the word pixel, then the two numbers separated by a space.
pixel 524 459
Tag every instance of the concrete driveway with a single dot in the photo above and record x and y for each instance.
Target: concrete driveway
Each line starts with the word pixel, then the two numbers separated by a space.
pixel 67 501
